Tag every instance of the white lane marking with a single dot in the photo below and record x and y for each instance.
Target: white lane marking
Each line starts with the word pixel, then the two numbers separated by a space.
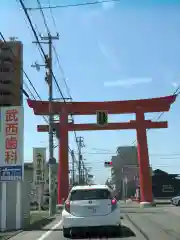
pixel 45 235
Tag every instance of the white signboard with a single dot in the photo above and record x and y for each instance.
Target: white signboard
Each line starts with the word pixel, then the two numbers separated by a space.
pixel 11 143
pixel 167 188
pixel 39 161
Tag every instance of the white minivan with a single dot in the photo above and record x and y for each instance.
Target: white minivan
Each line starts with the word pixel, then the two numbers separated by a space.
pixel 89 208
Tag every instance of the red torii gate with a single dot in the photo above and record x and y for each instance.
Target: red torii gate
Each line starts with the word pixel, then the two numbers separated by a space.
pixel 139 107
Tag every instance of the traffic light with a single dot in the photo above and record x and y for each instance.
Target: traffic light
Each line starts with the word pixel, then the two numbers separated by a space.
pixel 11 73
pixel 102 118
pixel 108 164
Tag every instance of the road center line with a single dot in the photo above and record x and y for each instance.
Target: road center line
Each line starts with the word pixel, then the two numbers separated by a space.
pixel 45 235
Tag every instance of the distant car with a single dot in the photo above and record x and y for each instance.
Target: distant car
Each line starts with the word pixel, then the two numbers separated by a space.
pixel 90 207
pixel 176 201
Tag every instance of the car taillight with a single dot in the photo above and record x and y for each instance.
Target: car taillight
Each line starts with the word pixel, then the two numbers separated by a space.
pixel 67 206
pixel 113 204
pixel 113 201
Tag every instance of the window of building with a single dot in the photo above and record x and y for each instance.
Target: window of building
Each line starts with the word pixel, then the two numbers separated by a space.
pixel 5 81
pixel 5 93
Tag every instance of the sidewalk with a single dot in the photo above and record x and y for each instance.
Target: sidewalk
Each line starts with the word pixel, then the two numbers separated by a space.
pixel 128 203
pixel 173 210
pixel 38 220
pixel 156 223
pixel 38 232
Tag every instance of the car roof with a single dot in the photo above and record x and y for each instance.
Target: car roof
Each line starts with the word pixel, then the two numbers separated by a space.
pixel 86 187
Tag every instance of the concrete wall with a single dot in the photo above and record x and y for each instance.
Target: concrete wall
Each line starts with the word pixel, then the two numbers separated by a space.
pixel 29 193
pixel 11 204
pixel 11 197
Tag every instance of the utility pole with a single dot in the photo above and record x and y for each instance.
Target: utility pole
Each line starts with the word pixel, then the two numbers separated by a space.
pixel 82 173
pixel 86 176
pixel 49 76
pixel 80 141
pixel 73 167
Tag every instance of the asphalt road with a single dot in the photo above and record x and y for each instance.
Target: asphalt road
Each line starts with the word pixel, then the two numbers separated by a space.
pixel 151 223
pixel 54 232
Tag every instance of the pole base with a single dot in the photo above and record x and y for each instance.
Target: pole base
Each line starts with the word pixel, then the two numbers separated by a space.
pixel 147 204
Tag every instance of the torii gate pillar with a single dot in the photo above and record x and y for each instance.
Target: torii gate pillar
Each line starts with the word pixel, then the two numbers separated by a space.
pixel 63 167
pixel 143 159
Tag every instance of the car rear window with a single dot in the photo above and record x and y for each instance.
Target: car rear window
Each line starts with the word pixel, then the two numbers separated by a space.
pixel 90 194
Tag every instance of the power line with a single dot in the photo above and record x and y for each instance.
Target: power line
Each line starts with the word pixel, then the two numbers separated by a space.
pixel 39 44
pixel 97 2
pixel 47 28
pixel 51 11
pixel 62 72
pixel 112 153
pixel 30 82
pixel 44 55
pixel 29 90
pixel 74 5
pixel 102 149
pixel 24 92
pixel 176 92
pixel 56 55
pixel 54 49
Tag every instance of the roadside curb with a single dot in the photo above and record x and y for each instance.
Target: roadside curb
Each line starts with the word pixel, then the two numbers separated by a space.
pixel 28 228
pixel 12 235
pixel 41 223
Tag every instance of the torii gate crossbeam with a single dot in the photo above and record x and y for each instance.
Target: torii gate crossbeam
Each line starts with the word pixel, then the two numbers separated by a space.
pixel 139 107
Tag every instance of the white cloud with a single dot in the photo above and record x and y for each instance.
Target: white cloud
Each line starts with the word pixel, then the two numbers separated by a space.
pixel 128 82
pixel 108 54
pixel 97 13
pixel 104 49
pixel 108 5
pixel 175 84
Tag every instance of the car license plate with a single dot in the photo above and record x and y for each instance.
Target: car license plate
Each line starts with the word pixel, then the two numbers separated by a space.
pixel 92 209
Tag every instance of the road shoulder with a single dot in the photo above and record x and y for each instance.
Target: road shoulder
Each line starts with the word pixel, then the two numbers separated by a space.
pixel 32 234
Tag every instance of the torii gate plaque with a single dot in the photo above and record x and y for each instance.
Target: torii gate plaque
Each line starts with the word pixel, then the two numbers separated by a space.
pixel 139 107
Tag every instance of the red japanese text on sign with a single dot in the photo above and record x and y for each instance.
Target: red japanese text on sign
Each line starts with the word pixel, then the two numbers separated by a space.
pixel 11 156
pixel 11 142
pixel 11 129
pixel 12 115
pixel 11 138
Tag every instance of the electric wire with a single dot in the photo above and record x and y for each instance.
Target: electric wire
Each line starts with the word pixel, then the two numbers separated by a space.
pixel 39 44
pixel 51 11
pixel 27 77
pixel 113 153
pixel 73 5
pixel 55 52
pixel 4 41
pixel 48 31
pixel 42 50
pixel 56 55
pixel 177 92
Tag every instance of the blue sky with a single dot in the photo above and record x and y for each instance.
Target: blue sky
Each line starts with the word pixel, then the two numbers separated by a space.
pixel 117 51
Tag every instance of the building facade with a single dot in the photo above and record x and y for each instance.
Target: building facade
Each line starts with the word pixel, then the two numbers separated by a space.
pixel 11 74
pixel 165 185
pixel 125 172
